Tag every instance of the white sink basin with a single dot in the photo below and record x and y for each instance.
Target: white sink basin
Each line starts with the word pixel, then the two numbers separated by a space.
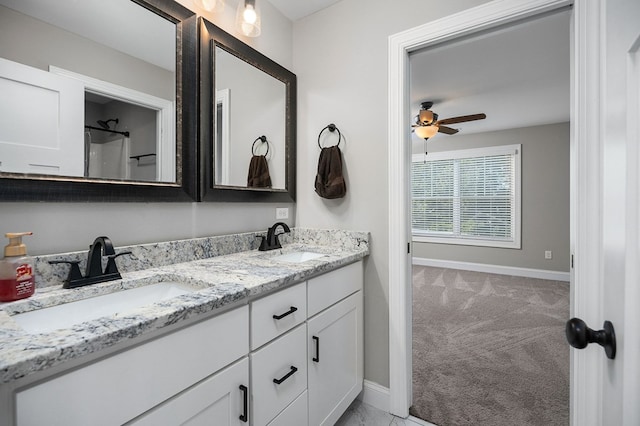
pixel 297 256
pixel 68 314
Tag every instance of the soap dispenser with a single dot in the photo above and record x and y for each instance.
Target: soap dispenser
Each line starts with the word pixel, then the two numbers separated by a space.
pixel 16 270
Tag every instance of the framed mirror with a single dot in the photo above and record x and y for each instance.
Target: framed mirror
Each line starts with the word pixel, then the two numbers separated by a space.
pixel 248 122
pixel 99 101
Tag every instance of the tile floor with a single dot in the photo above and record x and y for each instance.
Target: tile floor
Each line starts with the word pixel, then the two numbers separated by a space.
pixel 361 414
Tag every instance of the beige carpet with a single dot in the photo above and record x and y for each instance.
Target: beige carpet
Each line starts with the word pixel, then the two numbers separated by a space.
pixel 489 349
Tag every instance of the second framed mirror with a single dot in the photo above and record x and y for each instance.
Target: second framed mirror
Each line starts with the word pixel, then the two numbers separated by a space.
pixel 248 122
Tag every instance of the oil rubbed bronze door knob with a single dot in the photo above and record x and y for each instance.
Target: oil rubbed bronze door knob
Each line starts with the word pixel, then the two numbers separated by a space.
pixel 579 336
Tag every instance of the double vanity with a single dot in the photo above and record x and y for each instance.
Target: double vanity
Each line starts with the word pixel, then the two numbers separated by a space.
pixel 202 331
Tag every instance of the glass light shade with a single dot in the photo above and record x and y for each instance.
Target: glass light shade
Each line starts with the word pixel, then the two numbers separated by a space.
pixel 426 131
pixel 425 116
pixel 210 5
pixel 248 18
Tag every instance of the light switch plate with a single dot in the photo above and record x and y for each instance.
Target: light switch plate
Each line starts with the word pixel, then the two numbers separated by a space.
pixel 282 213
pixel 548 254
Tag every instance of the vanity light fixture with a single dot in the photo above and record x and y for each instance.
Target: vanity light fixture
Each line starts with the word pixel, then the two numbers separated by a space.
pixel 248 18
pixel 215 6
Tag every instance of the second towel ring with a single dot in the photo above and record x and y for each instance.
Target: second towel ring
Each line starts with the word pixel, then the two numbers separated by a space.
pixel 332 128
pixel 264 140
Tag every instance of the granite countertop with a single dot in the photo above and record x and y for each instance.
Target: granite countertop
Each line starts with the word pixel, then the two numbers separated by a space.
pixel 218 281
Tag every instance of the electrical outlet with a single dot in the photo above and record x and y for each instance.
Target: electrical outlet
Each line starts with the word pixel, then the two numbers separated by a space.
pixel 282 213
pixel 548 254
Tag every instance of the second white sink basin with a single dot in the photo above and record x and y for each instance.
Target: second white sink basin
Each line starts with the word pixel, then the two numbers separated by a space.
pixel 297 256
pixel 68 314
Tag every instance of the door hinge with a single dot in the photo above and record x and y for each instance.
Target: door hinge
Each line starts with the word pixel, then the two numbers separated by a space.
pixel 408 248
pixel 571 261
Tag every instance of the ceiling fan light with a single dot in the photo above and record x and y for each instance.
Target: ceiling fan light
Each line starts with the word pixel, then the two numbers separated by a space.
pixel 426 132
pixel 425 116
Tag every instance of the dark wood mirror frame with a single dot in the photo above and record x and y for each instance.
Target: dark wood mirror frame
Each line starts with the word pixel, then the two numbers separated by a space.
pixel 211 36
pixel 18 187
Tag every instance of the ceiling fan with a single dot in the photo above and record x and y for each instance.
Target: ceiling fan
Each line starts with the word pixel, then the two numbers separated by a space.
pixel 427 123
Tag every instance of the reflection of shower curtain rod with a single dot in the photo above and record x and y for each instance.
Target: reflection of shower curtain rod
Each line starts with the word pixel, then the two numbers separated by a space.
pixel 125 134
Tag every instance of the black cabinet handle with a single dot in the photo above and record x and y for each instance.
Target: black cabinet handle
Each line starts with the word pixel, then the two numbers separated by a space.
pixel 286 376
pixel 289 312
pixel 245 403
pixel 317 357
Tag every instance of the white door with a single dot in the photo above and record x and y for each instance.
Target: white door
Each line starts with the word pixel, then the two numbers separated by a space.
pixel 41 121
pixel 605 391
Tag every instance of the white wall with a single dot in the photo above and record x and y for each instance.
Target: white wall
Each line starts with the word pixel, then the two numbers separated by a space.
pixel 60 227
pixel 340 58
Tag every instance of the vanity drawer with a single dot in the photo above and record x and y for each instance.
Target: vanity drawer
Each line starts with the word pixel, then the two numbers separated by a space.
pixel 273 315
pixel 137 379
pixel 327 289
pixel 284 360
pixel 295 414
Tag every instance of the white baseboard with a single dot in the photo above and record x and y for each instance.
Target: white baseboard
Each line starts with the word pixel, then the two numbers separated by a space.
pixel 375 395
pixel 494 269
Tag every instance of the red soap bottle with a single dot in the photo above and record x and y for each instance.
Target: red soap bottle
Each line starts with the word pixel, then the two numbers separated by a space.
pixel 17 280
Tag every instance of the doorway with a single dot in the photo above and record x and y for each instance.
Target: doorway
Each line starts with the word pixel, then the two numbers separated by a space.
pixel 493 198
pixel 474 21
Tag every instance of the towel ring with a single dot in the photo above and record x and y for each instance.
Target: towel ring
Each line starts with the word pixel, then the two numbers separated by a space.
pixel 332 128
pixel 263 139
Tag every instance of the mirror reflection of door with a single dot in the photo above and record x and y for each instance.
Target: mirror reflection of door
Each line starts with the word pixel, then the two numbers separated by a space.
pixel 258 108
pixel 222 130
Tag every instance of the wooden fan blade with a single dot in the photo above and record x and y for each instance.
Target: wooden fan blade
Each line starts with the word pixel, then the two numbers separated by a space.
pixel 447 130
pixel 462 119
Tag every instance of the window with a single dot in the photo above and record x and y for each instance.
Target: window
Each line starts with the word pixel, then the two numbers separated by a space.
pixel 469 196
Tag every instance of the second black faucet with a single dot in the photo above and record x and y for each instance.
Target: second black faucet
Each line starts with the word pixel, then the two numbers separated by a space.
pixel 271 241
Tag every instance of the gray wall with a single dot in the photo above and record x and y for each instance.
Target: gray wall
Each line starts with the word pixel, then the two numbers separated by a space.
pixel 545 198
pixel 340 57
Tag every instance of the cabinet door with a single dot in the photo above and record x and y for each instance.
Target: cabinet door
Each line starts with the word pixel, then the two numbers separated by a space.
pixel 222 399
pixel 335 344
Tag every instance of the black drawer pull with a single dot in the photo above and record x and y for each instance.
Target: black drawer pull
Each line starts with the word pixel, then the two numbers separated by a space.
pixel 289 312
pixel 245 403
pixel 317 357
pixel 286 376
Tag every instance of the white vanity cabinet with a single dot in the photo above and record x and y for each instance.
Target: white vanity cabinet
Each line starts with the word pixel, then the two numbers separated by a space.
pixel 317 348
pixel 120 387
pixel 292 358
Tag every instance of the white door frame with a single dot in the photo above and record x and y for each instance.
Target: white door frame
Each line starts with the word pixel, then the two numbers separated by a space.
pixel 586 190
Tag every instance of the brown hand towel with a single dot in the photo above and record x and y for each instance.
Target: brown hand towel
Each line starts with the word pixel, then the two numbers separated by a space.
pixel 258 176
pixel 329 180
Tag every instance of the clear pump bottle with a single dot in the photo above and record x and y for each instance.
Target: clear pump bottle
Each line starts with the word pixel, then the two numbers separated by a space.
pixel 17 280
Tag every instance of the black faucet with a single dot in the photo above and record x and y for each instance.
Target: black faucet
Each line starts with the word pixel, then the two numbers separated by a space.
pixel 271 241
pixel 101 247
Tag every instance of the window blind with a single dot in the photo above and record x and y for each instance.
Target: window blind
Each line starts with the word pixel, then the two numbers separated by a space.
pixel 468 197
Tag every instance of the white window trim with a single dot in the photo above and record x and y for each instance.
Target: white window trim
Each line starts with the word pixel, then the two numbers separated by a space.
pixel 516 243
